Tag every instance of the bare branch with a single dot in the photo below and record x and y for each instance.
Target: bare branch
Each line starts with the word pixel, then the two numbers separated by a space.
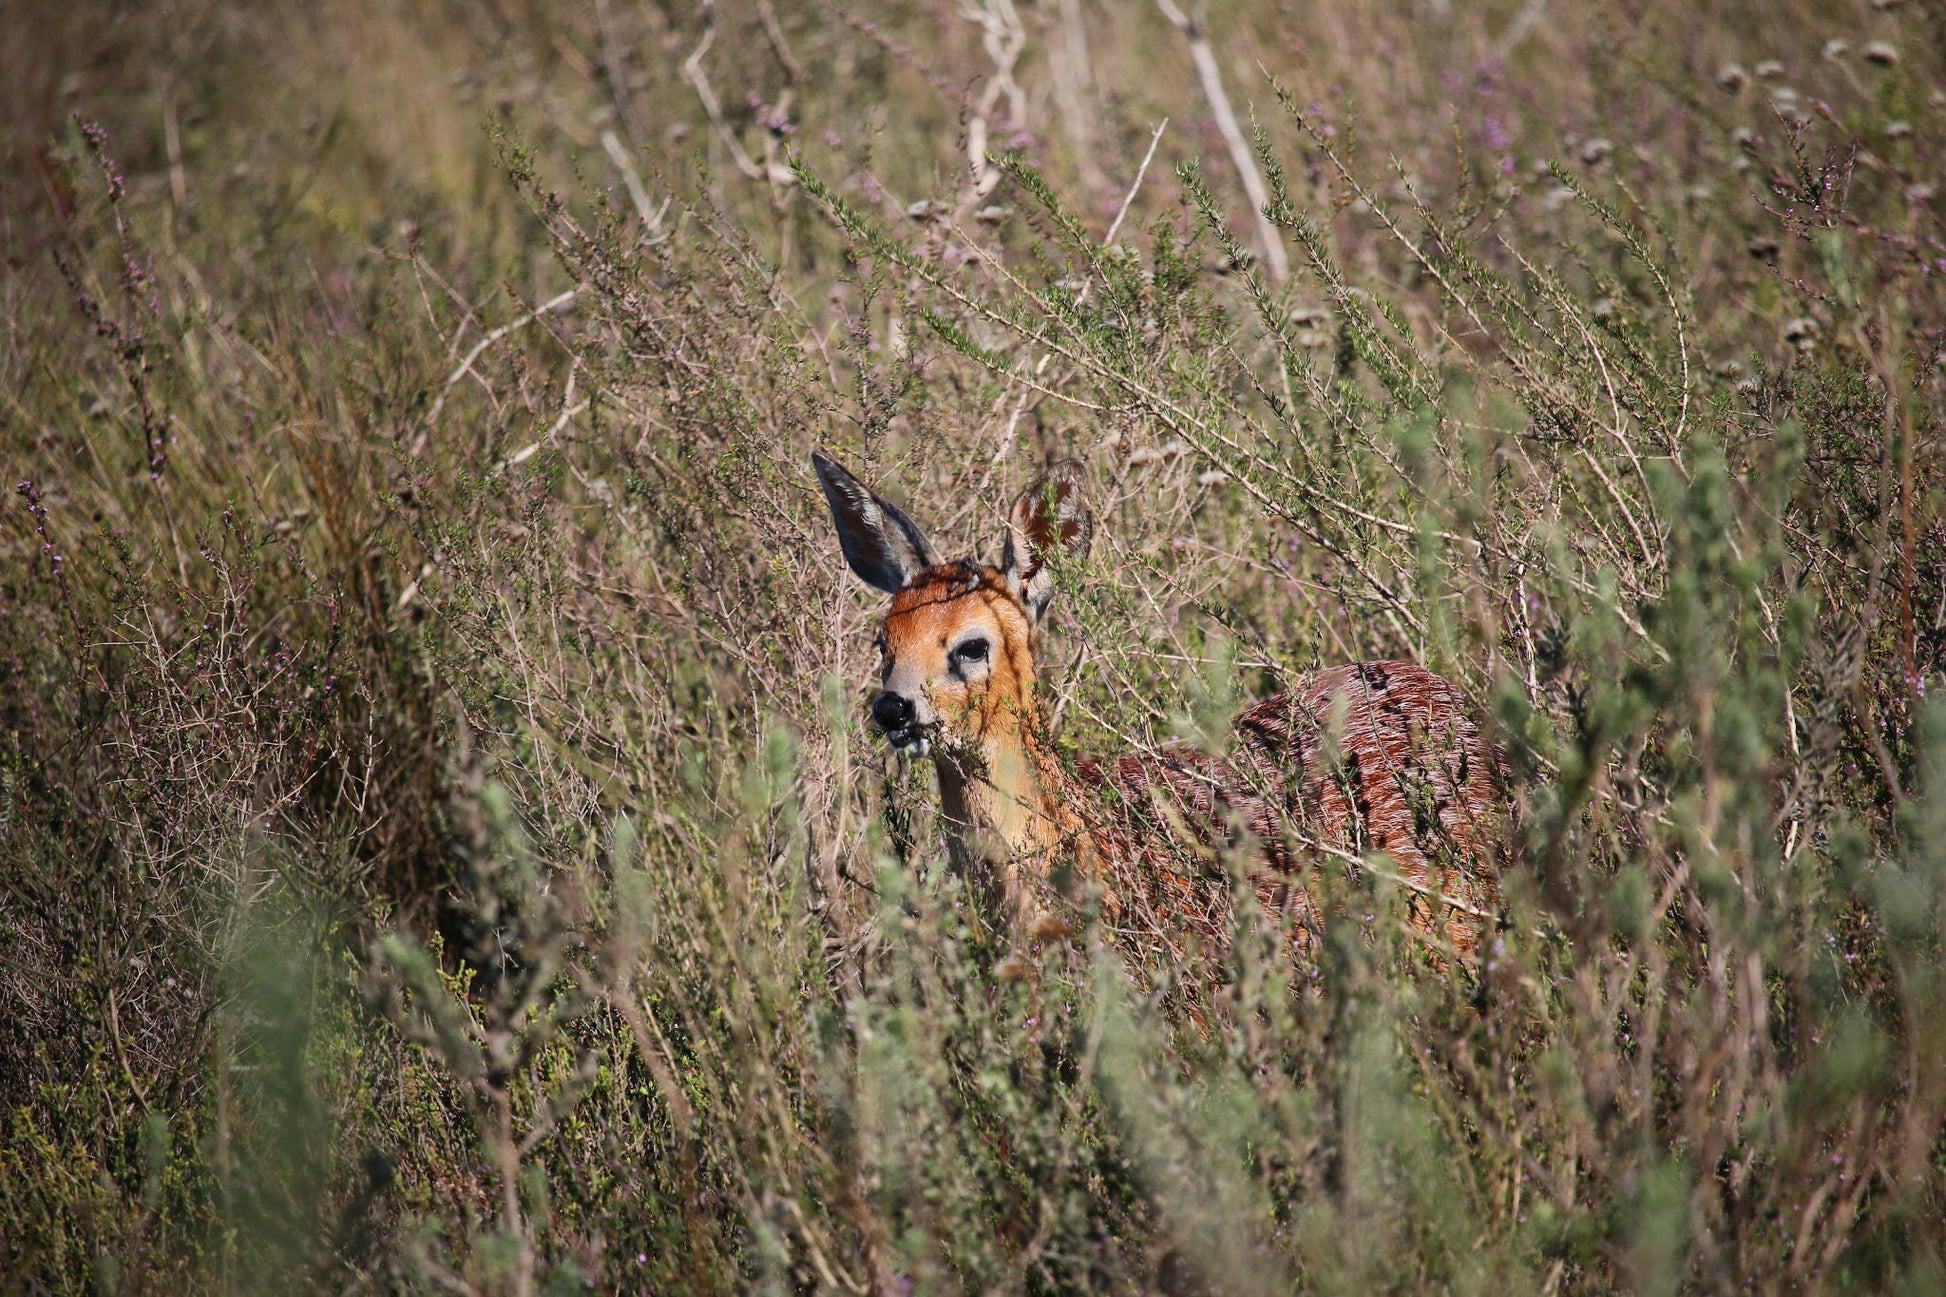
pixel 611 143
pixel 548 307
pixel 1275 261
pixel 1004 40
pixel 1128 199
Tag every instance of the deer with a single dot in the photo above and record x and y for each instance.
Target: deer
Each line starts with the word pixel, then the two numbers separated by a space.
pixel 1381 764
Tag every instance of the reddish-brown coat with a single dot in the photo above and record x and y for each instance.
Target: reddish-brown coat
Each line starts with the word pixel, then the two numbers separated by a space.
pixel 1378 757
pixel 1373 759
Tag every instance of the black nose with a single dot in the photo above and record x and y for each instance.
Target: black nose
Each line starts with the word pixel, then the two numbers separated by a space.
pixel 893 712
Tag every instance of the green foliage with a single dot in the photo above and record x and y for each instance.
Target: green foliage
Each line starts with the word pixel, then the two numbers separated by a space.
pixel 440 842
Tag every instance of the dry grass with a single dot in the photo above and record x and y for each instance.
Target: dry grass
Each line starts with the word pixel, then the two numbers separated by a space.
pixel 440 845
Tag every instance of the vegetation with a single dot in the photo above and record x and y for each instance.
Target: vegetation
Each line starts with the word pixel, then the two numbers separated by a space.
pixel 441 843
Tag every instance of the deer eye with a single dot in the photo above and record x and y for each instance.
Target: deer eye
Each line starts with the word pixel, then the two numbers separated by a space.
pixel 973 650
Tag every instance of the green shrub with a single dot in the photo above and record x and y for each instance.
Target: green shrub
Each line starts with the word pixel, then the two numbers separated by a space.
pixel 440 843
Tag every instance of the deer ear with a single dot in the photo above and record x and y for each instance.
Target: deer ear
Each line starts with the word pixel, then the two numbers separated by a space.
pixel 883 546
pixel 1048 515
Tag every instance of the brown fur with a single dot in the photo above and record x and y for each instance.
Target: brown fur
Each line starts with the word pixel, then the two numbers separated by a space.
pixel 1381 757
pixel 1379 760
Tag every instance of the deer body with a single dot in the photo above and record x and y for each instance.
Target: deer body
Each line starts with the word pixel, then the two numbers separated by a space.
pixel 1378 757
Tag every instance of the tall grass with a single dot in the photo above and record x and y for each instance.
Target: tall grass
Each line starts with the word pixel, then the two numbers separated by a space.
pixel 440 842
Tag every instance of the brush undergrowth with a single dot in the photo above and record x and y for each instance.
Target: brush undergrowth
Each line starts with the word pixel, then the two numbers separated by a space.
pixel 441 845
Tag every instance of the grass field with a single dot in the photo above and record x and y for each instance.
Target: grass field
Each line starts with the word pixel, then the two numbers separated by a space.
pixel 442 845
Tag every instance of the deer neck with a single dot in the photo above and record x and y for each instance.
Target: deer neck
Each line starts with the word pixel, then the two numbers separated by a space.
pixel 1002 798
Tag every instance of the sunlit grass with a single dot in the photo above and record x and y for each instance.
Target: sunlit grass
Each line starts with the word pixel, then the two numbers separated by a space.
pixel 440 845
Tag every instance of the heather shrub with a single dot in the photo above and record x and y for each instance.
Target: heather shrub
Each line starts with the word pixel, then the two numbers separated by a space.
pixel 441 842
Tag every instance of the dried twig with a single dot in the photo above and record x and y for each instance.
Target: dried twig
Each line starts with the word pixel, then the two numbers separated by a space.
pixel 774 33
pixel 1128 199
pixel 1523 22
pixel 569 408
pixel 611 143
pixel 1275 261
pixel 692 68
pixel 465 367
pixel 1073 79
pixel 1004 40
pixel 616 76
pixel 172 140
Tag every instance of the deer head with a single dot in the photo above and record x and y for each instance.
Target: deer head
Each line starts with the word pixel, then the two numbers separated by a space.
pixel 957 644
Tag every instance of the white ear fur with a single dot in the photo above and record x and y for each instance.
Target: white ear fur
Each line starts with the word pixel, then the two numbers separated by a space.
pixel 883 546
pixel 1048 514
